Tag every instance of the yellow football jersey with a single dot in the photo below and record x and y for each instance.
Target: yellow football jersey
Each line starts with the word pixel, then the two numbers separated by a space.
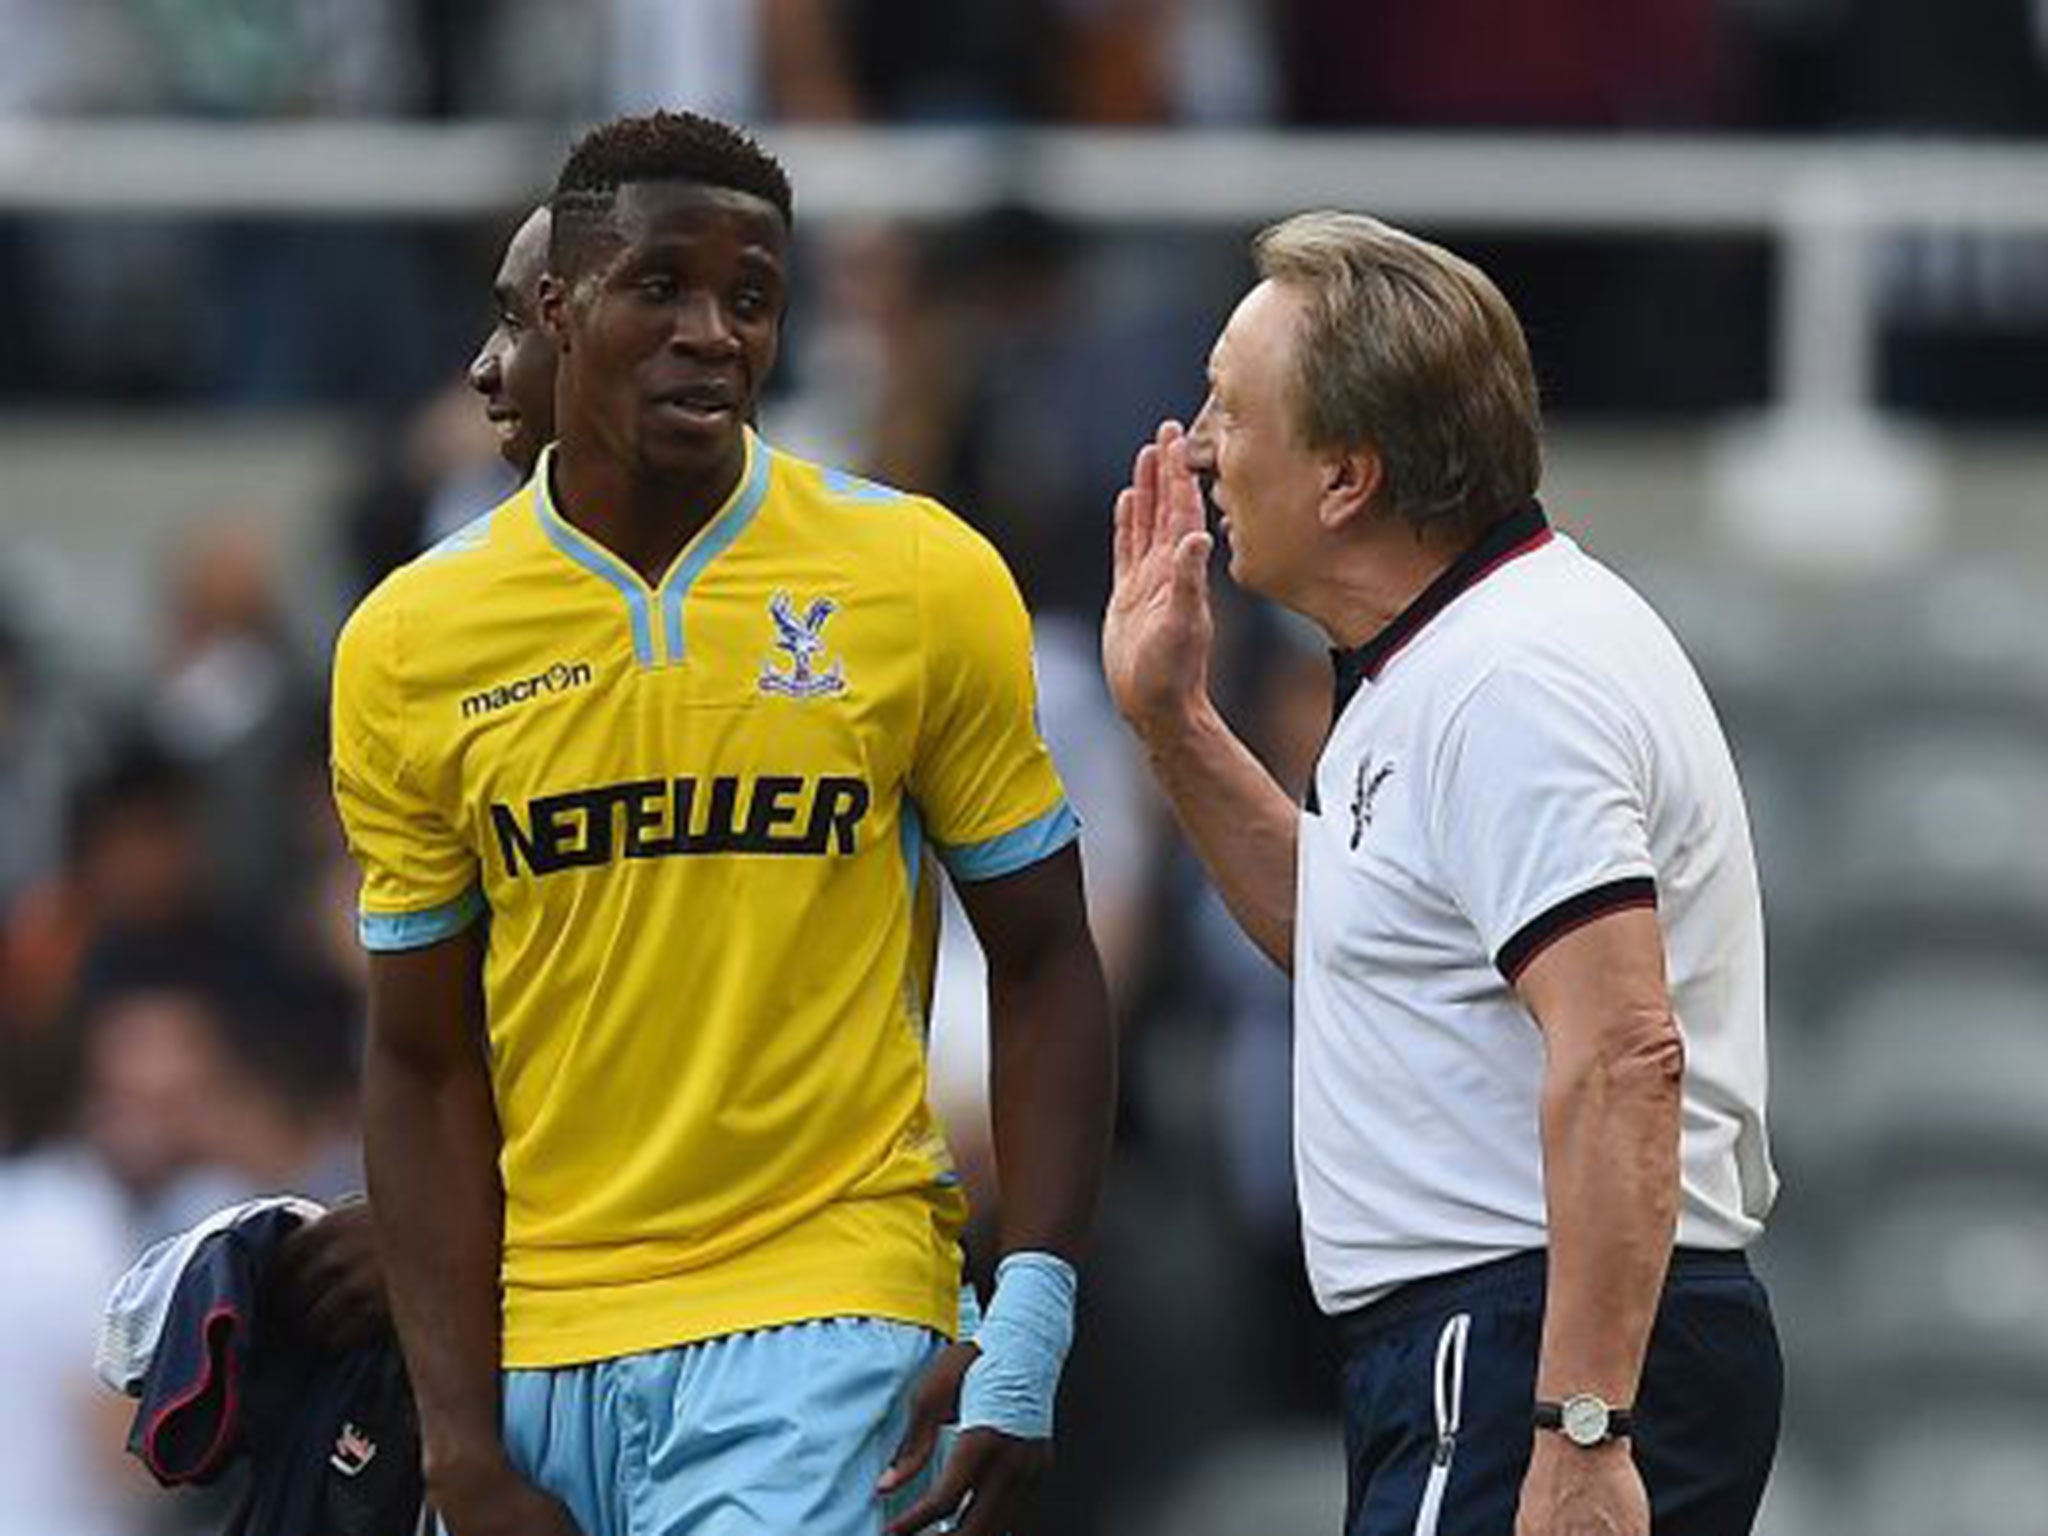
pixel 698 816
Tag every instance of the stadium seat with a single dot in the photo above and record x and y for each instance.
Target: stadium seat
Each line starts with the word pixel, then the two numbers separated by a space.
pixel 1952 1469
pixel 1944 1057
pixel 1944 1287
pixel 1934 832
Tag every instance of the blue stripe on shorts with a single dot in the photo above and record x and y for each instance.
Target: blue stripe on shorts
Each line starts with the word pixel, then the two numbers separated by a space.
pixel 752 1434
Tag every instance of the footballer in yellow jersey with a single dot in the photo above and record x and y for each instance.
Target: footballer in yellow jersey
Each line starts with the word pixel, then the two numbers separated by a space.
pixel 698 814
pixel 648 772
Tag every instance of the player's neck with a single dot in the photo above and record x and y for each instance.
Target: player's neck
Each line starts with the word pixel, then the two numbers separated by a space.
pixel 644 520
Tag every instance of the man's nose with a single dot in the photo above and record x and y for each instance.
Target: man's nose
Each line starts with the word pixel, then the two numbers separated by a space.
pixel 703 325
pixel 486 371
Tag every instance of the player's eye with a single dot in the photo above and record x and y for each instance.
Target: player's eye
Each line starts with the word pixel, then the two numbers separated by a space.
pixel 750 303
pixel 657 286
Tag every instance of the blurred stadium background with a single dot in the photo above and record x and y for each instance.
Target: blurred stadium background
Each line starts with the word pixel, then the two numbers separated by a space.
pixel 1785 268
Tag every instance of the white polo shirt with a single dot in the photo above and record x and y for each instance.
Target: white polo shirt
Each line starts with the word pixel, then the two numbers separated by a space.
pixel 1527 749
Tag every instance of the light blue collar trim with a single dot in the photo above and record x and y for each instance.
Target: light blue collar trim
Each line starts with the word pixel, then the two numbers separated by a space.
pixel 712 541
pixel 595 558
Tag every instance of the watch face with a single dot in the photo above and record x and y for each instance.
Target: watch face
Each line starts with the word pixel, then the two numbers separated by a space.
pixel 1584 1419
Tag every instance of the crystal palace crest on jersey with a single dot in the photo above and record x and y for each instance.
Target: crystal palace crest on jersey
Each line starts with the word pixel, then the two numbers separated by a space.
pixel 800 637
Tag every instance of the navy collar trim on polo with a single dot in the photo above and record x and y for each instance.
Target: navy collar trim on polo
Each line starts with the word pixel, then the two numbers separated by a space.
pixel 1513 536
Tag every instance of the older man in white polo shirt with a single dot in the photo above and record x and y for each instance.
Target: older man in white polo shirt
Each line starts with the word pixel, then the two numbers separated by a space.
pixel 1520 909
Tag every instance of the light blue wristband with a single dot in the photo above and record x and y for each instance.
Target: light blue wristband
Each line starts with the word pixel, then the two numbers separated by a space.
pixel 1024 1338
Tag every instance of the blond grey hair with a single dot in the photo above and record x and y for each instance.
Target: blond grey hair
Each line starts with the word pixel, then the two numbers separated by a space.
pixel 1412 351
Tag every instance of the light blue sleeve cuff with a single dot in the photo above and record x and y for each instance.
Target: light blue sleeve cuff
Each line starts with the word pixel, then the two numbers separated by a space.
pixel 1012 851
pixel 387 932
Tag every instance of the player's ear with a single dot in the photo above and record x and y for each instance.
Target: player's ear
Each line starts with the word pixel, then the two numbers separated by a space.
pixel 1351 479
pixel 552 303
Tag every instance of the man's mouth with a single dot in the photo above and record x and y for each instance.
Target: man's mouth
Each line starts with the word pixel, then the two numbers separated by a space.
pixel 711 402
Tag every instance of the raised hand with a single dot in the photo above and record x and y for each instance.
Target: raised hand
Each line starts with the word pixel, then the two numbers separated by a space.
pixel 1158 630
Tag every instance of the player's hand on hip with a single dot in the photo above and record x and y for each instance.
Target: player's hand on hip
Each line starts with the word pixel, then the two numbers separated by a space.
pixel 1157 631
pixel 1575 1492
pixel 934 1403
pixel 991 1473
pixel 329 1273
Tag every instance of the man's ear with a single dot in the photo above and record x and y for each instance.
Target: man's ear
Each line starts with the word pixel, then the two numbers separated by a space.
pixel 1351 479
pixel 552 304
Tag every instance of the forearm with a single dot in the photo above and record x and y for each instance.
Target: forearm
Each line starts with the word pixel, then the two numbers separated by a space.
pixel 1242 824
pixel 1610 1127
pixel 431 1147
pixel 1053 1097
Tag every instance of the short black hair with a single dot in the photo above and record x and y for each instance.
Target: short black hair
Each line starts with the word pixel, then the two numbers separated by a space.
pixel 662 146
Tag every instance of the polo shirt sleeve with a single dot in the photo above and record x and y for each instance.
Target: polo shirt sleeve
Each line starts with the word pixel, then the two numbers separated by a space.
pixel 419 878
pixel 1539 811
pixel 981 776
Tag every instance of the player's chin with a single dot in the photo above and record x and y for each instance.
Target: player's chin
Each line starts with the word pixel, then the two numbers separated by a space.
pixel 678 442
pixel 521 448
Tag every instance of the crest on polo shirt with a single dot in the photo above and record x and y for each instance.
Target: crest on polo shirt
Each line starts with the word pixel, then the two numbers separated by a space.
pixel 1365 789
pixel 800 637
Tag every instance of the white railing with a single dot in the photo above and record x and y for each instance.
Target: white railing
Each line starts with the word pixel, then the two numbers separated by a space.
pixel 1823 203
pixel 1819 200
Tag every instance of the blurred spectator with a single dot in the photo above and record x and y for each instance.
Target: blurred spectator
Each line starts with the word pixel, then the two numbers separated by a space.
pixel 1050 369
pixel 935 61
pixel 135 883
pixel 38 755
pixel 281 58
pixel 1119 814
pixel 227 669
pixel 196 1096
pixel 157 1074
pixel 235 704
pixel 1535 64
pixel 1223 63
pixel 67 1239
pixel 433 473
pixel 876 373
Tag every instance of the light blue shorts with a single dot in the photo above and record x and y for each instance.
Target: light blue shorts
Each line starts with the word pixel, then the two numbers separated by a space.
pixel 754 1434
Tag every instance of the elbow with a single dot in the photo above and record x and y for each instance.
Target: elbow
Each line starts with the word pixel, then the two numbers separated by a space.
pixel 1640 1060
pixel 1646 1056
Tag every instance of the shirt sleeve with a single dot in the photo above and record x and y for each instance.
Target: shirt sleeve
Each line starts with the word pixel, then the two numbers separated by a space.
pixel 981 777
pixel 419 878
pixel 1539 812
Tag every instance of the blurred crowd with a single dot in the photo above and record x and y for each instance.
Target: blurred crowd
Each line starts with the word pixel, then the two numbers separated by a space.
pixel 364 312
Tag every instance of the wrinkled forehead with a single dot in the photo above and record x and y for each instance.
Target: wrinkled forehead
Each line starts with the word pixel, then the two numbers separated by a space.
pixel 1259 335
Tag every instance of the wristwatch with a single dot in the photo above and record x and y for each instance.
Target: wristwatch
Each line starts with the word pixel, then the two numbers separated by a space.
pixel 1585 1420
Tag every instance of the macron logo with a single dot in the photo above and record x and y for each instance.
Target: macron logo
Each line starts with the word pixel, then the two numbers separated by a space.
pixel 561 676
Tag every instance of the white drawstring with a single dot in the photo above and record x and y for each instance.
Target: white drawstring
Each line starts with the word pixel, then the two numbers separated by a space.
pixel 1449 1388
